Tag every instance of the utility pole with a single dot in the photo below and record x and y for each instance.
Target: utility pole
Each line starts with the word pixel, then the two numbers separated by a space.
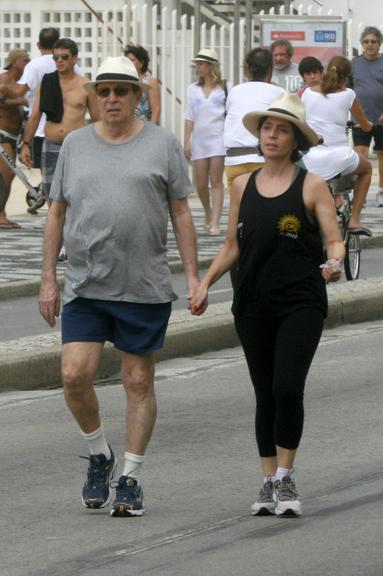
pixel 197 26
pixel 237 16
pixel 249 26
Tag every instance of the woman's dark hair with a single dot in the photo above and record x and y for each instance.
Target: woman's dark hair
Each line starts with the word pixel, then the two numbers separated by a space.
pixel 140 53
pixel 303 145
pixel 337 73
pixel 309 64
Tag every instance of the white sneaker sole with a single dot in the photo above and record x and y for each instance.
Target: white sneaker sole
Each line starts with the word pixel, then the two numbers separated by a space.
pixel 293 508
pixel 263 509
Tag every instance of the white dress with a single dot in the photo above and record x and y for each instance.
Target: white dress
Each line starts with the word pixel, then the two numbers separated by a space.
pixel 328 116
pixel 208 117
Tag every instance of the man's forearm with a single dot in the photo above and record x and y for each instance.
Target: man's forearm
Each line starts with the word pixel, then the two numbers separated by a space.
pixel 52 244
pixel 187 243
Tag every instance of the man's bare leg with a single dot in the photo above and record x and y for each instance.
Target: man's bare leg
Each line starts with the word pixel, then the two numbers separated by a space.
pixel 6 177
pixel 79 364
pixel 138 380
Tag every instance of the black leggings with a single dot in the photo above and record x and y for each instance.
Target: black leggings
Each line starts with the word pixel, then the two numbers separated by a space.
pixel 279 352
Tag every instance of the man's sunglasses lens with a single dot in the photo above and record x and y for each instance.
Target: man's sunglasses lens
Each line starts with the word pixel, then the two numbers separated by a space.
pixel 60 56
pixel 104 92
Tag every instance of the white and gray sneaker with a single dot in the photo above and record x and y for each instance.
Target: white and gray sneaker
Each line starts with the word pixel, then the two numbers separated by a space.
pixel 265 504
pixel 379 197
pixel 286 497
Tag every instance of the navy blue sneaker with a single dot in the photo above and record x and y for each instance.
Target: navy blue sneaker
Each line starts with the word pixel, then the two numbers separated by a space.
pixel 96 490
pixel 129 498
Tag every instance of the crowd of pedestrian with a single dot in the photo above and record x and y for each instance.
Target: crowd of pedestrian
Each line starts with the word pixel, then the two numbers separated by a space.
pixel 111 185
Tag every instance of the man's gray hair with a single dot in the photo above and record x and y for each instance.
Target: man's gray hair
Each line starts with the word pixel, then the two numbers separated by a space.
pixel 371 30
pixel 283 42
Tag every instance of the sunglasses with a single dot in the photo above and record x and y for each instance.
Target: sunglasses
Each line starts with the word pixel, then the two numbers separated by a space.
pixel 120 91
pixel 370 42
pixel 60 57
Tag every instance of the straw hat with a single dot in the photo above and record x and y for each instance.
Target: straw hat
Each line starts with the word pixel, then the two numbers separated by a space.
pixel 206 55
pixel 117 69
pixel 287 107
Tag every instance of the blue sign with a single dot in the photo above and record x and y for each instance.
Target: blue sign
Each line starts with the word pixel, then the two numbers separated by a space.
pixel 325 35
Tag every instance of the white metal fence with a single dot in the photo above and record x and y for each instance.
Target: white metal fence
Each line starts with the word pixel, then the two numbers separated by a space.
pixel 168 35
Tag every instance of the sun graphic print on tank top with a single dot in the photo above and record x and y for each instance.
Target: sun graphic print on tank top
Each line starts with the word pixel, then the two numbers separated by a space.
pixel 289 226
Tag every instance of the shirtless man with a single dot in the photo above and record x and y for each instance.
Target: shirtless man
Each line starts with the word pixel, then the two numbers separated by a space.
pixel 11 118
pixel 61 119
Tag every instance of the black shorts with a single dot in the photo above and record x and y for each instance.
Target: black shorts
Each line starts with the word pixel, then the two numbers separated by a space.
pixel 5 140
pixel 364 138
pixel 132 327
pixel 37 144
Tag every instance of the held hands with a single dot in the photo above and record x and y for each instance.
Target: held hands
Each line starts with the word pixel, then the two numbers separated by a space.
pixel 332 269
pixel 198 300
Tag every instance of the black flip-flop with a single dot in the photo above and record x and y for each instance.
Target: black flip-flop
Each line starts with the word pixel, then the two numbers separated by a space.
pixel 361 230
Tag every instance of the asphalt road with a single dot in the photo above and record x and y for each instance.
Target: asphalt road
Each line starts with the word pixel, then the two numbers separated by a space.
pixel 21 316
pixel 201 476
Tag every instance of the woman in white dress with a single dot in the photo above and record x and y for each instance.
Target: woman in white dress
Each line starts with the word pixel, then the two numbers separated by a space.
pixel 203 139
pixel 327 110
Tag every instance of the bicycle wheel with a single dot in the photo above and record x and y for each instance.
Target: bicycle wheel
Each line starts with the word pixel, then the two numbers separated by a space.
pixel 352 258
pixel 38 200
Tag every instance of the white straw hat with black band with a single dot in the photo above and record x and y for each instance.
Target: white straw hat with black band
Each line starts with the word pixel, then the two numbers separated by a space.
pixel 287 107
pixel 117 69
pixel 207 55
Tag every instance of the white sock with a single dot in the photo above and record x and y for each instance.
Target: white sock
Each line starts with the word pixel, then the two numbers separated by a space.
pixel 97 442
pixel 132 465
pixel 282 472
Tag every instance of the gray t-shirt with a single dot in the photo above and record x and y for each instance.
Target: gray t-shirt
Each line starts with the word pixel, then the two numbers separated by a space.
pixel 367 82
pixel 289 78
pixel 117 197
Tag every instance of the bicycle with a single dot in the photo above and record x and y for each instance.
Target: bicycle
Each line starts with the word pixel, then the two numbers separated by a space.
pixel 34 196
pixel 341 188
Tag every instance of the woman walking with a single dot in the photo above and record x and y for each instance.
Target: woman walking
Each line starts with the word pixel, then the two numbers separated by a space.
pixel 150 106
pixel 278 217
pixel 203 138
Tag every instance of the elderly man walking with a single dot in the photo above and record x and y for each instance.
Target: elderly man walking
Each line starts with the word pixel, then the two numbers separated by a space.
pixel 115 183
pixel 367 81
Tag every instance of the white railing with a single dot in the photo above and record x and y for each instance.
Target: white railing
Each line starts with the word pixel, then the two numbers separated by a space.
pixel 168 36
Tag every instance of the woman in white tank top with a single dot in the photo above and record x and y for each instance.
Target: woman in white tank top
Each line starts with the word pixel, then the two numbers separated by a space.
pixel 327 110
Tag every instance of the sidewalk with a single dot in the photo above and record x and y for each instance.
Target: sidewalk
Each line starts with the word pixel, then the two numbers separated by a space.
pixel 34 362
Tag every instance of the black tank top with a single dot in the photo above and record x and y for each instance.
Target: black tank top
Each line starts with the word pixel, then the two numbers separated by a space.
pixel 280 253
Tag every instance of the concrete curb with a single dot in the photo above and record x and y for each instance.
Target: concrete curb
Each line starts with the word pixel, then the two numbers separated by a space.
pixel 34 363
pixel 25 288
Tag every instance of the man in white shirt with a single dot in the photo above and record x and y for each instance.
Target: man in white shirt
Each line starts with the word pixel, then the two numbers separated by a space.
pixel 257 94
pixel 31 78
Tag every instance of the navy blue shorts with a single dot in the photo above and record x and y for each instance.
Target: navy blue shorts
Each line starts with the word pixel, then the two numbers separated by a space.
pixel 132 327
